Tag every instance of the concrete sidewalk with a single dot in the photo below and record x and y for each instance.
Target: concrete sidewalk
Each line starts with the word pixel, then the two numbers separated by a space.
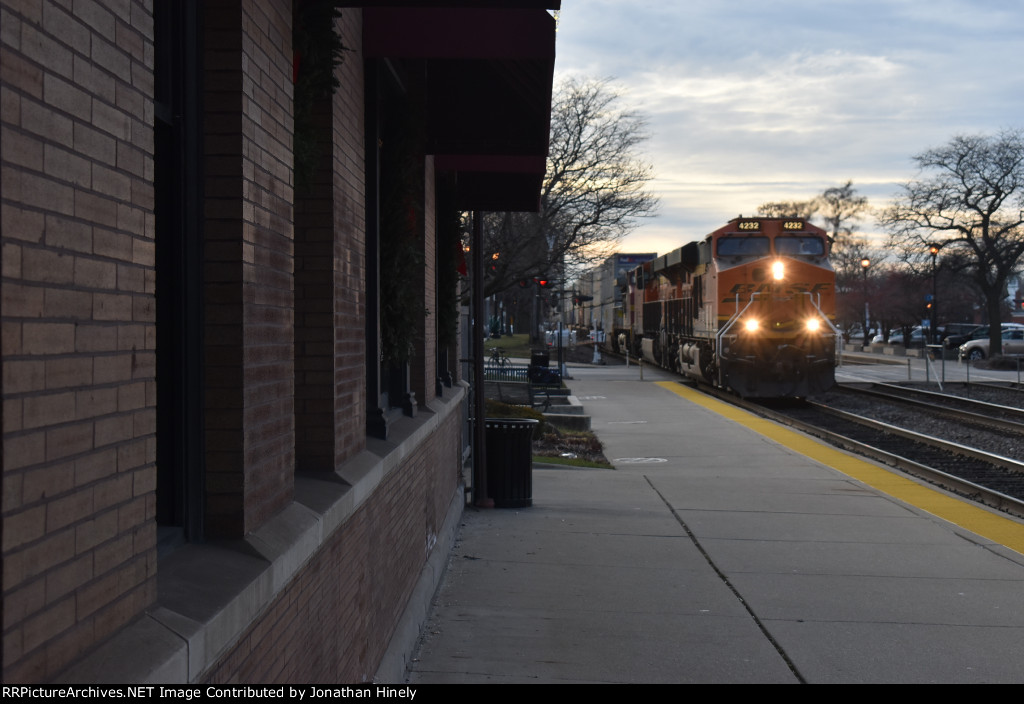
pixel 597 582
pixel 714 553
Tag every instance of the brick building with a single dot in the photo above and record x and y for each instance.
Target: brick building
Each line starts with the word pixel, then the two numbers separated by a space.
pixel 227 453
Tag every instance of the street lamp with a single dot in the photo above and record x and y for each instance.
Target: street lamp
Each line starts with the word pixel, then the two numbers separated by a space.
pixel 864 264
pixel 934 317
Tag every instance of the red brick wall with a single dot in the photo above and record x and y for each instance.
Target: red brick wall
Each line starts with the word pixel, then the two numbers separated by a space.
pixel 350 248
pixel 314 309
pixel 334 621
pixel 330 279
pixel 249 305
pixel 76 153
pixel 77 309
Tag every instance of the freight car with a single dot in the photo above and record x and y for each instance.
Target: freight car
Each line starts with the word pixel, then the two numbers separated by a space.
pixel 749 308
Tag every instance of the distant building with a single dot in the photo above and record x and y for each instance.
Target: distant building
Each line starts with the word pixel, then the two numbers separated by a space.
pixel 223 459
pixel 1016 293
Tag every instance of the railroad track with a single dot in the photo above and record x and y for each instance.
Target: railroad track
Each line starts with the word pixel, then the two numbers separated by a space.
pixel 990 479
pixel 1012 388
pixel 976 413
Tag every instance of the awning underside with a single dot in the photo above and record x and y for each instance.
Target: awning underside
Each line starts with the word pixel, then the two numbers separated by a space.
pixel 485 75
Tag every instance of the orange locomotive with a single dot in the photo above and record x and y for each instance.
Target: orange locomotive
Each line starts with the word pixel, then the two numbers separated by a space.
pixel 749 308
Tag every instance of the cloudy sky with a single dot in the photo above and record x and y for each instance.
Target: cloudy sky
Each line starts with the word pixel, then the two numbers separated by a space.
pixel 751 101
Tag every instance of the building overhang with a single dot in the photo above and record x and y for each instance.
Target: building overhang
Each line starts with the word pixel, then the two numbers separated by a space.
pixel 485 72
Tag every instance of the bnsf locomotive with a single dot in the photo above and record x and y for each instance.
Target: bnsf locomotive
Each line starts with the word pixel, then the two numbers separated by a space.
pixel 749 308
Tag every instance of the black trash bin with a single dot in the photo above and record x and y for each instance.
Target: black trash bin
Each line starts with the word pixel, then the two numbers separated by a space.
pixel 538 371
pixel 510 461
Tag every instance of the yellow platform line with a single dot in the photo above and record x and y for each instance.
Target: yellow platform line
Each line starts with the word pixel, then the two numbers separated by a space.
pixel 992 526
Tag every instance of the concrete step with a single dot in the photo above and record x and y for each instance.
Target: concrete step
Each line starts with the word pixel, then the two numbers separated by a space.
pixel 568 421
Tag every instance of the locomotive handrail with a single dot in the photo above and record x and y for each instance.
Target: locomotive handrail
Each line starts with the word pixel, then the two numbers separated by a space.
pixel 728 325
pixel 835 331
pixel 720 335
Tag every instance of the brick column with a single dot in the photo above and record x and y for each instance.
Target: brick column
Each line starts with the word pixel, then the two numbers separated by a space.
pixel 330 279
pixel 249 264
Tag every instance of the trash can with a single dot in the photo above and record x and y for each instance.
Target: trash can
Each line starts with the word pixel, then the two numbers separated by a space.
pixel 510 461
pixel 538 371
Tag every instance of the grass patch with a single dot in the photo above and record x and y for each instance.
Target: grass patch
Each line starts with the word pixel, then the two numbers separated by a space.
pixel 583 444
pixel 514 345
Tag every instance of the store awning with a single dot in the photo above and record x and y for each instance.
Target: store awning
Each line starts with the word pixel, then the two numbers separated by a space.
pixel 485 72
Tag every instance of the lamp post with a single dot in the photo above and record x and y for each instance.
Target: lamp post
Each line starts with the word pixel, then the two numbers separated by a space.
pixel 864 264
pixel 934 317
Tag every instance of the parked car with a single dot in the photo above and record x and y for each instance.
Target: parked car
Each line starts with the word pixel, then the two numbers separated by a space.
pixel 918 337
pixel 855 333
pixel 979 333
pixel 1013 344
pixel 959 333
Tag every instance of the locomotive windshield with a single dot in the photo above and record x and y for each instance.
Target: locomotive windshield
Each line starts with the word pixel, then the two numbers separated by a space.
pixel 743 247
pixel 794 246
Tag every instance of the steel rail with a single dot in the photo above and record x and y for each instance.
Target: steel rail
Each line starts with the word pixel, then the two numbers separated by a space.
pixel 1007 463
pixel 897 394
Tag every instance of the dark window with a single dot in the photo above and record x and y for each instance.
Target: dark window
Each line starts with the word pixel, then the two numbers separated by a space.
pixel 743 247
pixel 800 246
pixel 178 209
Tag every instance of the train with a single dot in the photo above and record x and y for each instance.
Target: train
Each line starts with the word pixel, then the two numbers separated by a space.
pixel 749 308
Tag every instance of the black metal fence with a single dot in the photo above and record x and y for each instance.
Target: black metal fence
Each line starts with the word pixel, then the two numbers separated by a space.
pixel 506 372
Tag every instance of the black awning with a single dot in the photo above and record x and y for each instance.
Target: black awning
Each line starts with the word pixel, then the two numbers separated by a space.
pixel 485 75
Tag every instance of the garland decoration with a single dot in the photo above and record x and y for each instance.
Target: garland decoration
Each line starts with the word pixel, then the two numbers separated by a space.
pixel 401 226
pixel 317 52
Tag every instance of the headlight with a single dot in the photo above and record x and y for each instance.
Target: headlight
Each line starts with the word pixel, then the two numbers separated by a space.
pixel 813 325
pixel 778 271
pixel 751 325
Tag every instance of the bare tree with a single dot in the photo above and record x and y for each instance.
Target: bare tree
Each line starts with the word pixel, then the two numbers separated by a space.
pixel 594 191
pixel 841 206
pixel 971 200
pixel 805 209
